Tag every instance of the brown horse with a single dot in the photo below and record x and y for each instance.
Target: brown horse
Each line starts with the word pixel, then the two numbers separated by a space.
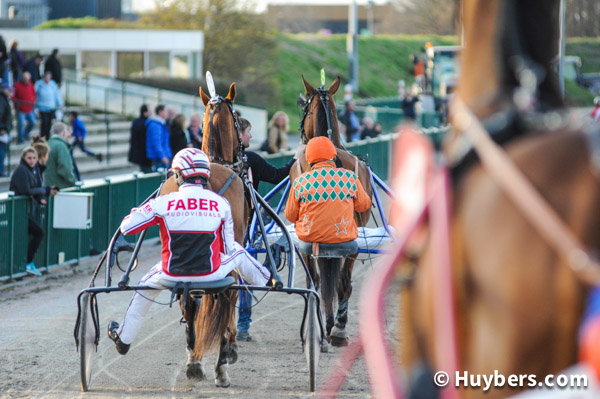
pixel 518 303
pixel 215 319
pixel 320 119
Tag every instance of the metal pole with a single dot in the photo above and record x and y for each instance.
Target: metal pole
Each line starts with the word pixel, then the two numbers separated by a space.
pixel 561 50
pixel 352 46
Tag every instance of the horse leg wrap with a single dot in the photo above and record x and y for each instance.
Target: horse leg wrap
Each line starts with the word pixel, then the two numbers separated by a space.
pixel 193 368
pixel 342 314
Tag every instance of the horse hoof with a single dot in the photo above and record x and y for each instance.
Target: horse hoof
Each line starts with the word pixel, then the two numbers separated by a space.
pixel 195 371
pixel 222 378
pixel 324 347
pixel 339 336
pixel 232 353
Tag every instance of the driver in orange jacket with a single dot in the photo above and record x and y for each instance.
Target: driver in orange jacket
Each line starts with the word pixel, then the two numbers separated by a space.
pixel 323 200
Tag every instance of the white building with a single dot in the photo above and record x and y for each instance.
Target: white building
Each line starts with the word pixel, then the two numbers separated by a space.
pixel 119 52
pixel 34 12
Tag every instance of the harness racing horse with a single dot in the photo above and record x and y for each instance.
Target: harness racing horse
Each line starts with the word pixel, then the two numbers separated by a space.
pixel 320 119
pixel 215 319
pixel 518 300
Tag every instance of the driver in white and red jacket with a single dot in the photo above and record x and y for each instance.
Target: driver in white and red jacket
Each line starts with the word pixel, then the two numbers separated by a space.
pixel 196 229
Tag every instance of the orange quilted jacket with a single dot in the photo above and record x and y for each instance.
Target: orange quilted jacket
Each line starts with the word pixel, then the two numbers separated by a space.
pixel 322 204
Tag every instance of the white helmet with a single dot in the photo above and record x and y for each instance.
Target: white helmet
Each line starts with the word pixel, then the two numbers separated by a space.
pixel 192 162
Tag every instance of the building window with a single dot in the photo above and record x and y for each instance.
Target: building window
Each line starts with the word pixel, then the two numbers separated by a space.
pixel 130 64
pixel 96 62
pixel 181 66
pixel 158 64
pixel 67 60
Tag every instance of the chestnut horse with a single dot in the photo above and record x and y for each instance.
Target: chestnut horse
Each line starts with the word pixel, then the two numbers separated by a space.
pixel 518 304
pixel 320 119
pixel 215 319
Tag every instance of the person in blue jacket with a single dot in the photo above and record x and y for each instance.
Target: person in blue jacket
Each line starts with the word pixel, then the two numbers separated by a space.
pixel 158 147
pixel 79 132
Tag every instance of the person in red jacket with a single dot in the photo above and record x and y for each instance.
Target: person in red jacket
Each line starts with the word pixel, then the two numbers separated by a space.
pixel 323 200
pixel 24 98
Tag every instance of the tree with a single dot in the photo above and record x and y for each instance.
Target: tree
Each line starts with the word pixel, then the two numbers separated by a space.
pixel 234 36
pixel 582 18
pixel 432 16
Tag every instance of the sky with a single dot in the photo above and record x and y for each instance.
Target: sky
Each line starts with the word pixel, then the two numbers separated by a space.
pixel 141 5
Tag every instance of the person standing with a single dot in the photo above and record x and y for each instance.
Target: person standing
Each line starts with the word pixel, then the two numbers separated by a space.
pixel 59 168
pixel 277 135
pixel 158 148
pixel 195 131
pixel 3 61
pixel 351 122
pixel 48 101
pixel 33 67
pixel 24 99
pixel 5 125
pixel 260 170
pixel 178 139
pixel 137 141
pixel 53 66
pixel 595 114
pixel 26 180
pixel 17 63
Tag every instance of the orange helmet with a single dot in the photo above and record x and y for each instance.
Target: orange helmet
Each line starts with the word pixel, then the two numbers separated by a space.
pixel 319 149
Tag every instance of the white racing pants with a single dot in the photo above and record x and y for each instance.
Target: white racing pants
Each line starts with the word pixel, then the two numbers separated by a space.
pixel 248 267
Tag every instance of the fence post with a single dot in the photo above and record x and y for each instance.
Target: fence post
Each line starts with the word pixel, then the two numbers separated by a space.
pixel 87 91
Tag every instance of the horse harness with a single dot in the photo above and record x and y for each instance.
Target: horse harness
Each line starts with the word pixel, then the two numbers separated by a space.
pixel 323 94
pixel 238 161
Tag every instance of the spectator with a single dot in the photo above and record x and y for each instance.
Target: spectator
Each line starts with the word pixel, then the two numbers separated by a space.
pixel 595 115
pixel 17 63
pixel 177 134
pixel 59 168
pixel 48 101
pixel 378 128
pixel 195 131
pixel 5 125
pixel 351 122
pixel 137 141
pixel 367 128
pixel 33 67
pixel 277 135
pixel 53 66
pixel 25 180
pixel 408 106
pixel 261 171
pixel 3 61
pixel 418 70
pixel 24 98
pixel 171 112
pixel 158 148
pixel 79 131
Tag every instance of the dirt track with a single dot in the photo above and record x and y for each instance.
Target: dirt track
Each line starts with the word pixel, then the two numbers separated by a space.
pixel 38 358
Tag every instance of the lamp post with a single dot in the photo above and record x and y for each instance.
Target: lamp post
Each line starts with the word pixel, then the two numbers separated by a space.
pixel 561 50
pixel 352 46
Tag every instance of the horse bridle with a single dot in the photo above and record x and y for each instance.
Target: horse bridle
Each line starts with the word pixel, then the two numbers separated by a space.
pixel 324 97
pixel 213 104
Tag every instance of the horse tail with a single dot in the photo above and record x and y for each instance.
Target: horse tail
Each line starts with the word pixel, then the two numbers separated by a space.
pixel 329 268
pixel 215 318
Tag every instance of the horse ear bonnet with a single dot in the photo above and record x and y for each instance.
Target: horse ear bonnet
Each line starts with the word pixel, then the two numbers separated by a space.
pixel 319 149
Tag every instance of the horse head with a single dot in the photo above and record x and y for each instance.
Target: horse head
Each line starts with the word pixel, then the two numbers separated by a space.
pixel 221 137
pixel 507 60
pixel 319 114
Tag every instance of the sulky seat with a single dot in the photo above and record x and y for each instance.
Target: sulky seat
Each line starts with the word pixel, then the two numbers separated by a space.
pixel 198 288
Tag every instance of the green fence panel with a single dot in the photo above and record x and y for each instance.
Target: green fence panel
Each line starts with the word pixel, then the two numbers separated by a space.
pixel 99 235
pixel 21 211
pixel 66 241
pixel 6 231
pixel 122 198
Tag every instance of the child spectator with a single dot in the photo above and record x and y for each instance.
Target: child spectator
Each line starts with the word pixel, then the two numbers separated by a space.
pixel 26 180
pixel 79 132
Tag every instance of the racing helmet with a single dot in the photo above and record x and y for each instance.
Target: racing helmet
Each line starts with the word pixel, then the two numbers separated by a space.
pixel 191 162
pixel 319 149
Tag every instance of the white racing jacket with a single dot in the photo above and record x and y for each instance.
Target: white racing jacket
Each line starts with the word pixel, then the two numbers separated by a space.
pixel 196 226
